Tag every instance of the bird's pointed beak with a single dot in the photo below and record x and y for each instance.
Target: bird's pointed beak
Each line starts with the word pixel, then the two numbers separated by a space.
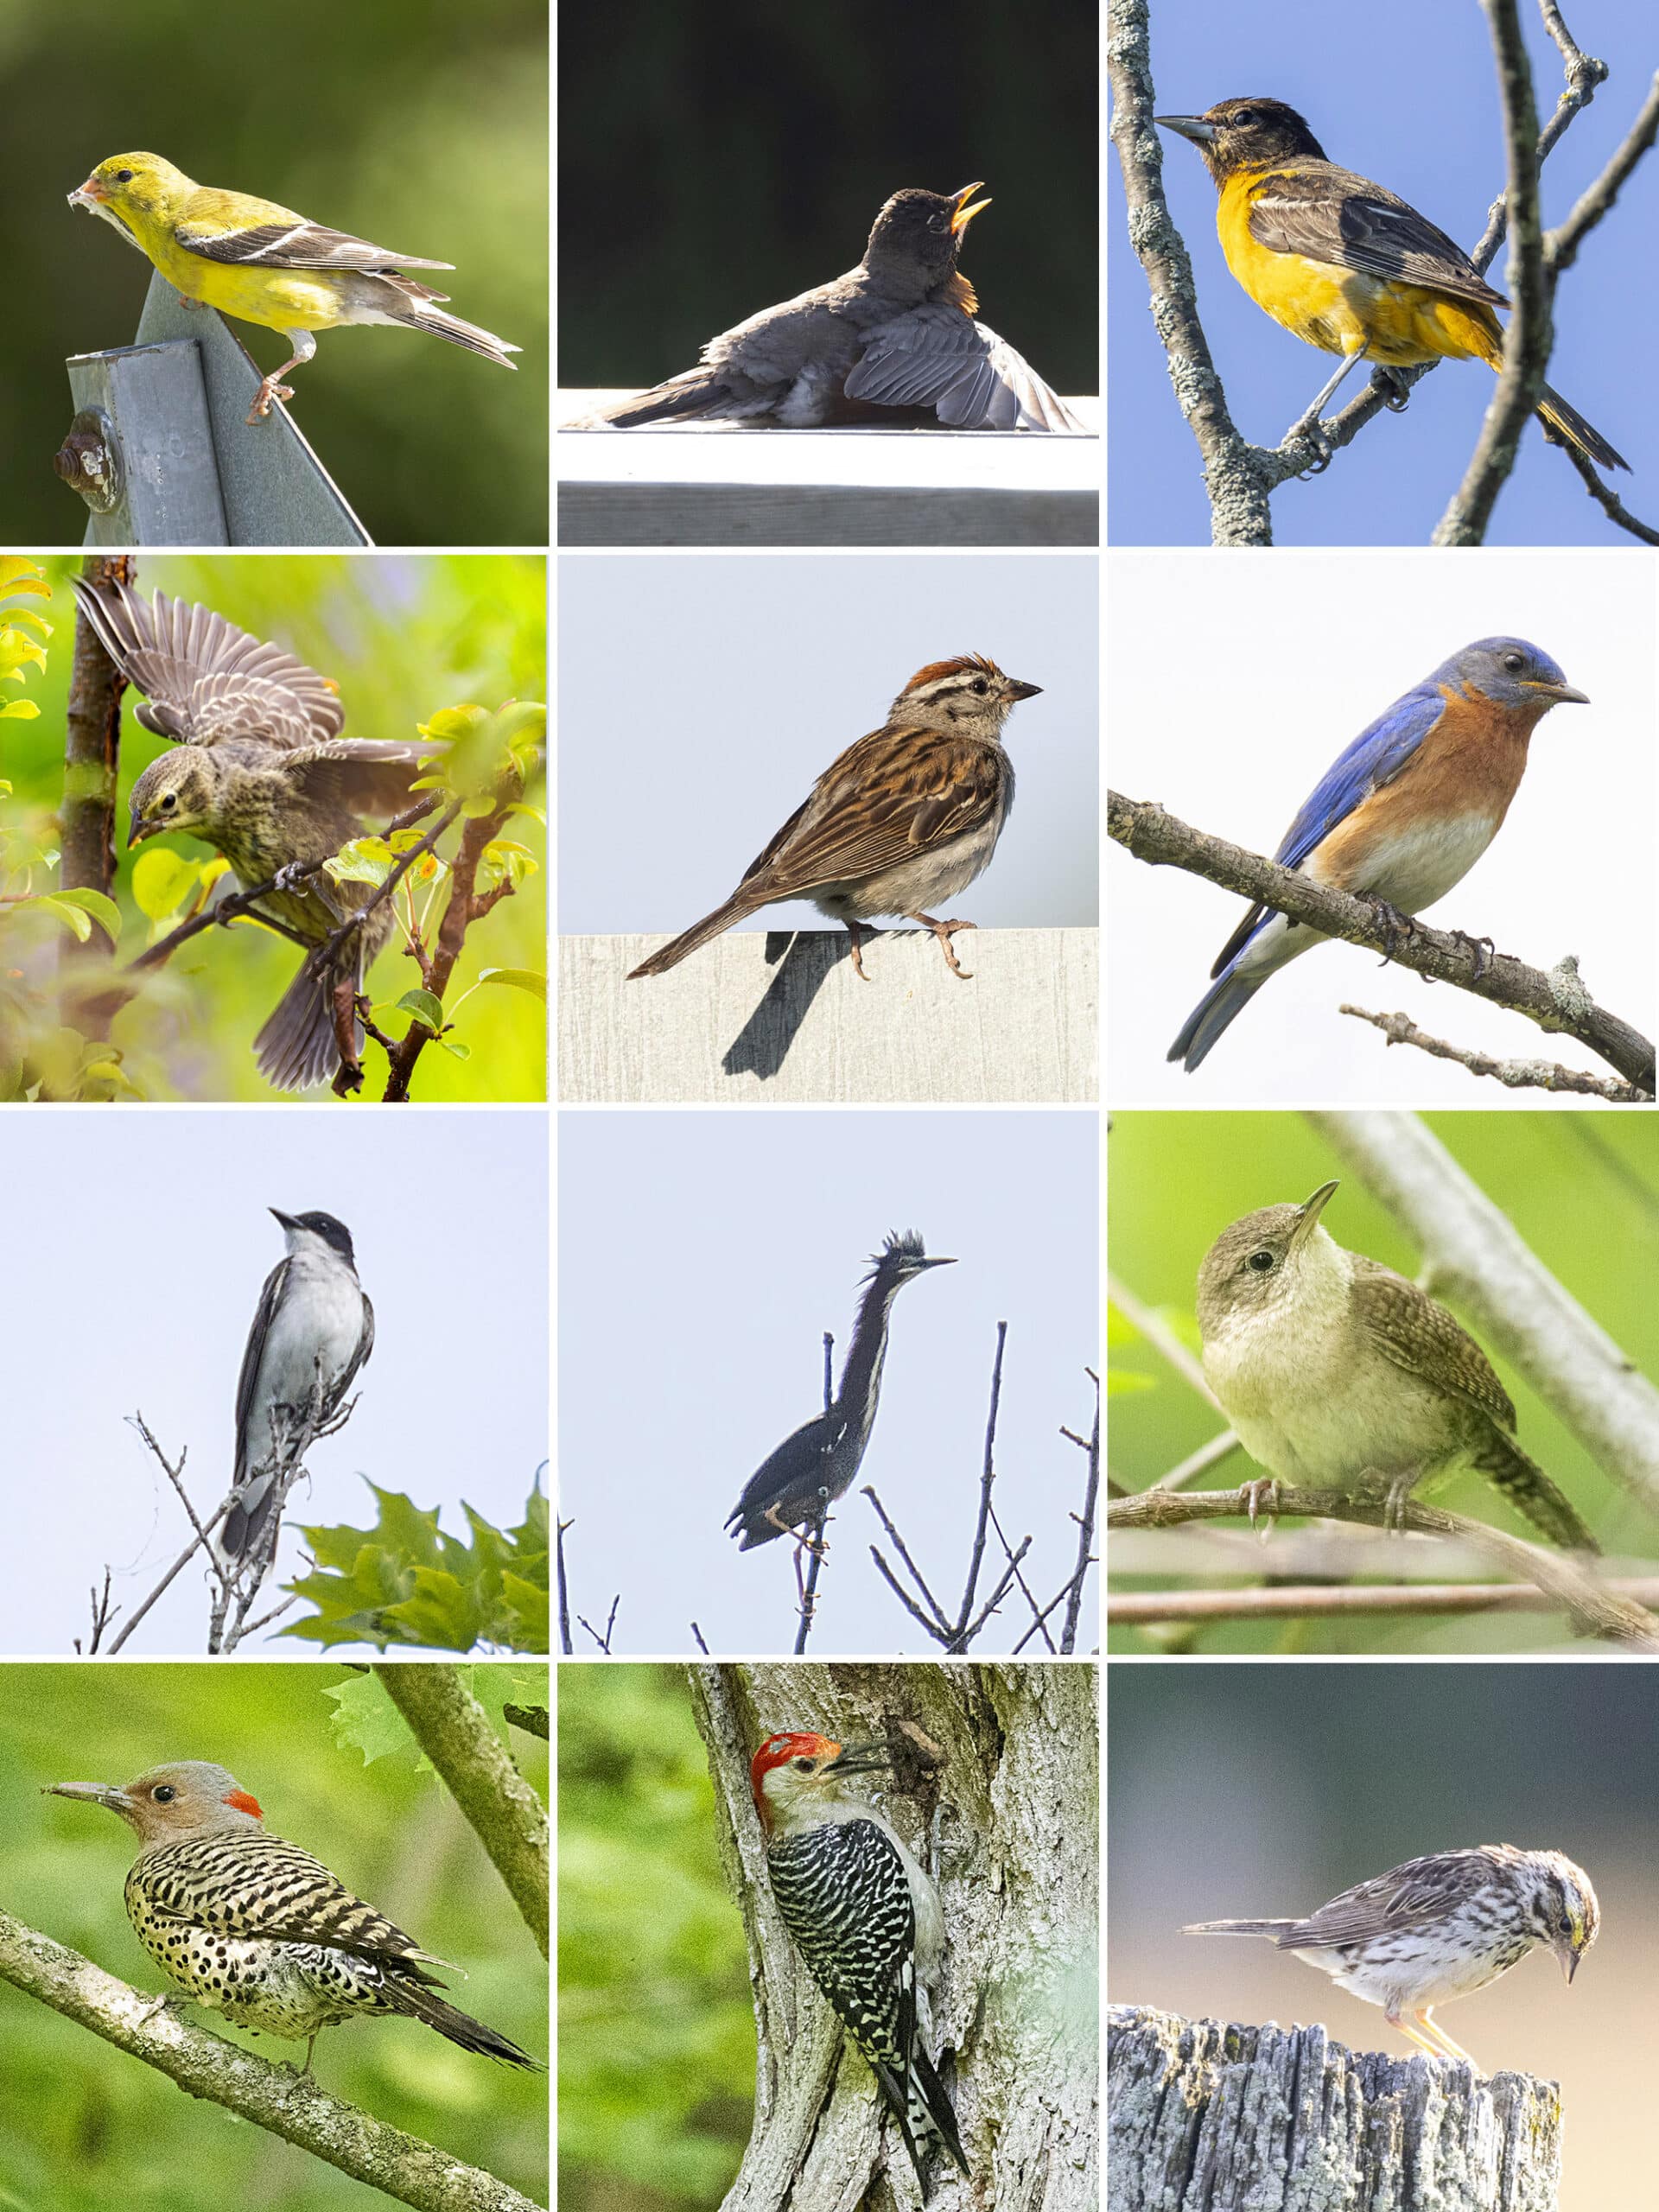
pixel 1561 693
pixel 107 1794
pixel 91 195
pixel 1568 1955
pixel 1018 690
pixel 1189 126
pixel 935 1260
pixel 286 1220
pixel 1311 1212
pixel 137 831
pixel 965 214
pixel 861 1759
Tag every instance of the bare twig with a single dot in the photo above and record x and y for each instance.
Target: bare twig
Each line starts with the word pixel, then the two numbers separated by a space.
pixel 1561 244
pixel 564 1591
pixel 939 1627
pixel 1515 1075
pixel 815 1545
pixel 1085 1527
pixel 603 1642
pixel 1557 1002
pixel 92 754
pixel 987 1476
pixel 698 1633
pixel 1609 501
pixel 1319 1601
pixel 1596 1610
pixel 466 904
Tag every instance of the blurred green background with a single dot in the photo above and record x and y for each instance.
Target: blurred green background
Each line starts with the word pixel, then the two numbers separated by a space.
pixel 1583 1193
pixel 402 637
pixel 84 2126
pixel 656 2029
pixel 712 162
pixel 1261 1791
pixel 414 124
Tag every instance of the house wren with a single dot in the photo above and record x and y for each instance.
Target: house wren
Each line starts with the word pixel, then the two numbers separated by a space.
pixel 1338 1374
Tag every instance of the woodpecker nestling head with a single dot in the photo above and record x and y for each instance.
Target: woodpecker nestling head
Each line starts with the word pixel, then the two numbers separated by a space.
pixel 186 1798
pixel 795 1775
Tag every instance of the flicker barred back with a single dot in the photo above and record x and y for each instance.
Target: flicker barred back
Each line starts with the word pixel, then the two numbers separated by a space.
pixel 250 1926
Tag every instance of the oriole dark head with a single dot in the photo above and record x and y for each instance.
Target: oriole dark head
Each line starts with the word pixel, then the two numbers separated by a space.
pixel 1246 134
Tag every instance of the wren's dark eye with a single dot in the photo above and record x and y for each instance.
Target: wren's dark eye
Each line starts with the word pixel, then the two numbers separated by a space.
pixel 1261 1262
pixel 164 1793
pixel 123 176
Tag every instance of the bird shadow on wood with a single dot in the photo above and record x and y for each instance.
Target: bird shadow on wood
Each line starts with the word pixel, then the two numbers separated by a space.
pixel 762 1045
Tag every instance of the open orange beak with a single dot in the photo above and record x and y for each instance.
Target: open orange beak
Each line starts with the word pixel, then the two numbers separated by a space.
pixel 89 195
pixel 964 215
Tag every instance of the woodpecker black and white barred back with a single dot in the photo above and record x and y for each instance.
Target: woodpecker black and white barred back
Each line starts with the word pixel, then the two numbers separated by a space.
pixel 864 1916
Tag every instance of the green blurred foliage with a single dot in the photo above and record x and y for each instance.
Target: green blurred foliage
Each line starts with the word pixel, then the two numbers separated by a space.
pixel 656 2033
pixel 420 126
pixel 405 640
pixel 83 2126
pixel 405 1582
pixel 710 164
pixel 1582 1190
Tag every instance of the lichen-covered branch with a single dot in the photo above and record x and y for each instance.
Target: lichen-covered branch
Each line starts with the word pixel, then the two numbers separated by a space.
pixel 506 1815
pixel 1557 1002
pixel 275 2097
pixel 1282 1601
pixel 1514 1075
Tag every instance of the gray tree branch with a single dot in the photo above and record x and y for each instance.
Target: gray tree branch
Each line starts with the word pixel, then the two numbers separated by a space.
pixel 506 1814
pixel 274 2097
pixel 1557 1002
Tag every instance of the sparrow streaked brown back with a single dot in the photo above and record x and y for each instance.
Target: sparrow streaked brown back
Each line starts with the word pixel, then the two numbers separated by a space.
pixel 905 817
pixel 898 331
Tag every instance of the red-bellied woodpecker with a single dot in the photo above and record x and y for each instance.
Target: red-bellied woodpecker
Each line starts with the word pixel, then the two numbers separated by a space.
pixel 255 1927
pixel 864 1916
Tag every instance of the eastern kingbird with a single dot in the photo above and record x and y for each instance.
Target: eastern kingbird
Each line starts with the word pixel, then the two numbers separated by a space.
pixel 314 1329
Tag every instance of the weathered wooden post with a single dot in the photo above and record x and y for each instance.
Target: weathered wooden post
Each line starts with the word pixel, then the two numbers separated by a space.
pixel 1204 2113
pixel 757 1015
pixel 161 452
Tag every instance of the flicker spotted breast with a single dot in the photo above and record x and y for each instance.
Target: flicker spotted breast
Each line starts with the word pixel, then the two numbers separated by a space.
pixel 252 1927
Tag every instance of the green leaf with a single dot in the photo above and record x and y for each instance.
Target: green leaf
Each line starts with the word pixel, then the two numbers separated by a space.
pixel 103 909
pixel 362 860
pixel 70 916
pixel 455 1049
pixel 21 710
pixel 366 1721
pixel 522 979
pixel 425 1007
pixel 161 882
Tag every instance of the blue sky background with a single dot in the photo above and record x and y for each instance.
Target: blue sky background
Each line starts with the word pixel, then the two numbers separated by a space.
pixel 1409 98
pixel 139 1241
pixel 703 1253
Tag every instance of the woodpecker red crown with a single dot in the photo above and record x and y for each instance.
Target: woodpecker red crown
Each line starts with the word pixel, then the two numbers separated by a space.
pixel 777 1751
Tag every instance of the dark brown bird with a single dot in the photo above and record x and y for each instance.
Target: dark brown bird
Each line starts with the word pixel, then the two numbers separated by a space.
pixel 897 331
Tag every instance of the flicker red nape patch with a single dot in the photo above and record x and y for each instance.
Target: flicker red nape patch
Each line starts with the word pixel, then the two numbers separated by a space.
pixel 244 1803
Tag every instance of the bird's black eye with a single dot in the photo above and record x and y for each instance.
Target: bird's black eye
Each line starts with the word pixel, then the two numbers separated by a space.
pixel 1514 663
pixel 170 801
pixel 805 1765
pixel 1261 1262
pixel 981 686
pixel 1564 1925
pixel 164 1793
pixel 123 176
pixel 1244 115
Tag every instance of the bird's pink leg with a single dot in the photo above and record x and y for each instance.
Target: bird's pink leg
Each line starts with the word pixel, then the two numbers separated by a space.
pixel 944 932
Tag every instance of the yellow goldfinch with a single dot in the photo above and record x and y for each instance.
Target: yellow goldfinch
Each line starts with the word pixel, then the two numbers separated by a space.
pixel 263 264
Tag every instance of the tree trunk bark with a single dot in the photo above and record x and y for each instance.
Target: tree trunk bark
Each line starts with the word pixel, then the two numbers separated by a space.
pixel 1204 2114
pixel 1000 1804
pixel 92 751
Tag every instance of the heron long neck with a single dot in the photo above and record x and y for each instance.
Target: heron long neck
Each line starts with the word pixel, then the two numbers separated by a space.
pixel 861 1374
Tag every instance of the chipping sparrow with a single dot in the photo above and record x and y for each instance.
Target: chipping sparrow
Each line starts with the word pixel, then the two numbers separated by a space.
pixel 906 817
pixel 897 331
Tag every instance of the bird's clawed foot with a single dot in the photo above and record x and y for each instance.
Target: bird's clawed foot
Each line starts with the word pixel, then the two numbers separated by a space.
pixel 1260 1499
pixel 1308 430
pixel 1396 1499
pixel 292 877
pixel 1391 388
pixel 944 932
pixel 1482 951
pixel 857 937
pixel 1395 926
pixel 267 391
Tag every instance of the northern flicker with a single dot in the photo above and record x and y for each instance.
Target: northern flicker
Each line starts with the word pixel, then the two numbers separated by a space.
pixel 254 1928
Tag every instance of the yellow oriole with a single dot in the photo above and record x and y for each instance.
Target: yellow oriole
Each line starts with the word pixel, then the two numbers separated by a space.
pixel 1345 264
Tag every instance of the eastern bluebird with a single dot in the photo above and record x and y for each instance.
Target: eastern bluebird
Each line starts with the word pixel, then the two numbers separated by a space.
pixel 1401 816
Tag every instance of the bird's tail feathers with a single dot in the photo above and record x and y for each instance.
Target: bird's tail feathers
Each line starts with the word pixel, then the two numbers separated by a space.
pixel 406 302
pixel 1531 1494
pixel 1271 1929
pixel 684 399
pixel 298 1046
pixel 243 1524
pixel 1561 417
pixel 700 933
pixel 930 2116
pixel 418 2001
pixel 1220 1006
